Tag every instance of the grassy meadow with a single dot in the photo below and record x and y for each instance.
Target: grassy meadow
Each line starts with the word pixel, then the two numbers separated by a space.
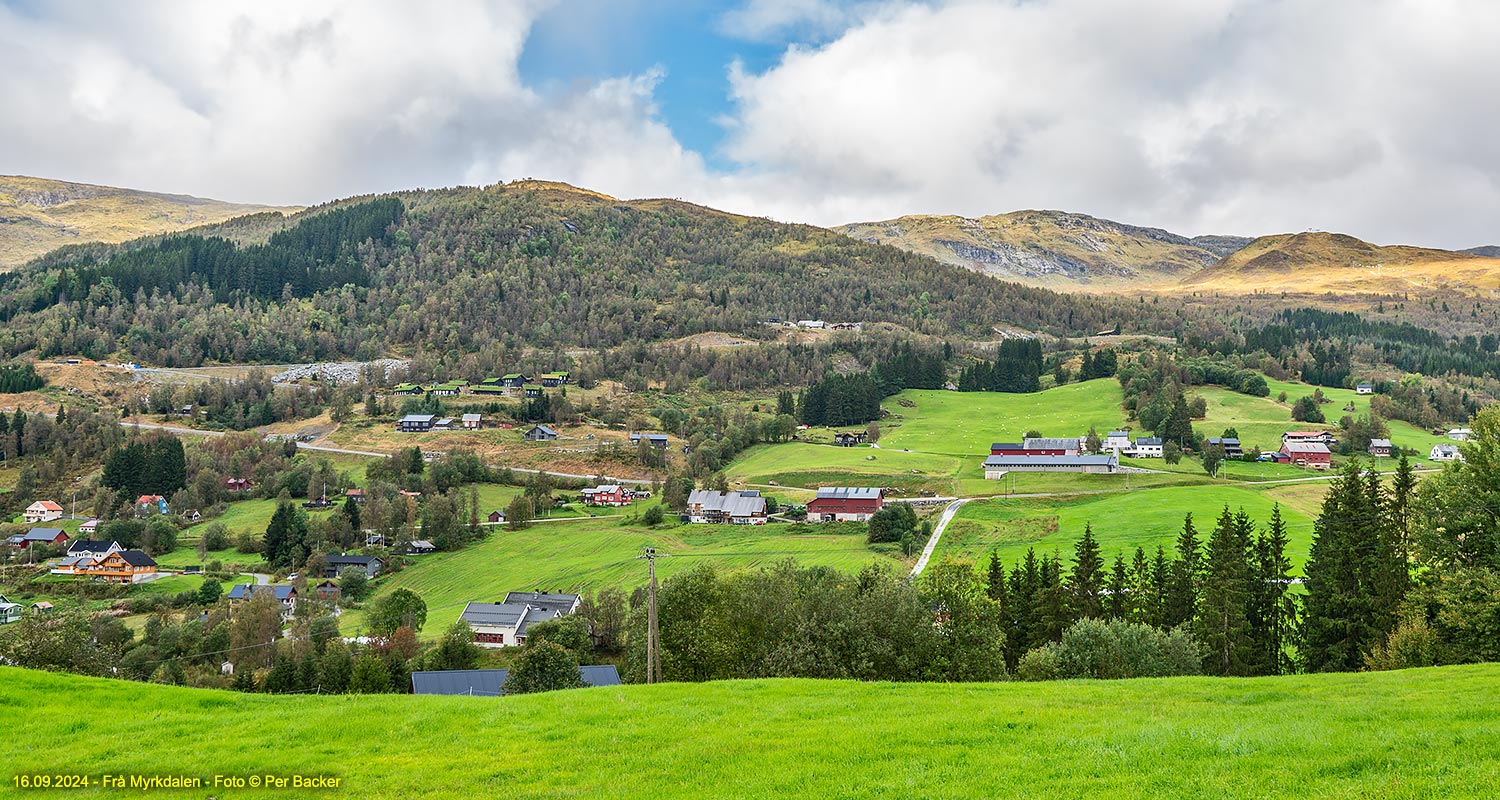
pixel 1431 733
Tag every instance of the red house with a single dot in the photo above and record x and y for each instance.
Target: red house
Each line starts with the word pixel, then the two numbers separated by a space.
pixel 609 494
pixel 237 484
pixel 844 504
pixel 1308 454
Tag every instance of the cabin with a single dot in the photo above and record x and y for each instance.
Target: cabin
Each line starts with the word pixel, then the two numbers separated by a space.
pixel 1380 448
pixel 496 517
pixel 811 324
pixel 849 439
pixel 744 507
pixel 553 379
pixel 333 565
pixel 1147 447
pixel 489 389
pixel 1314 455
pixel 42 511
pixel 1324 438
pixel 472 422
pixel 1231 445
pixel 504 624
pixel 356 496
pixel 148 504
pixel 407 388
pixel 531 391
pixel 285 595
pixel 46 537
pixel 1445 452
pixel 416 423
pixel 1460 434
pixel 421 547
pixel 491 682
pixel 843 504
pixel 1117 441
pixel 1365 388
pixel 607 494
pixel 658 440
pixel 995 467
pixel 10 612
pixel 514 380
pixel 237 484
pixel 329 592
pixel 541 433
pixel 450 389
pixel 89 527
pixel 444 424
pixel 121 566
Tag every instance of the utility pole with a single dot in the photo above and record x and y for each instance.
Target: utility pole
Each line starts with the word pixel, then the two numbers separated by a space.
pixel 653 635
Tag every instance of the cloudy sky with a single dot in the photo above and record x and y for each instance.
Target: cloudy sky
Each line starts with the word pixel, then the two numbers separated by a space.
pixel 1378 118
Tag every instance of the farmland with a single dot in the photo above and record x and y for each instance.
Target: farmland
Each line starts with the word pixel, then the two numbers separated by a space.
pixel 1431 733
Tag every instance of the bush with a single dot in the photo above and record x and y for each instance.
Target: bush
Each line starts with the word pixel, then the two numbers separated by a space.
pixel 1040 664
pixel 1411 644
pixel 653 516
pixel 1094 648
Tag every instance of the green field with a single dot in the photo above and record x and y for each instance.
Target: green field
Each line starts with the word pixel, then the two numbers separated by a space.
pixel 967 423
pixel 1121 522
pixel 1431 733
pixel 586 554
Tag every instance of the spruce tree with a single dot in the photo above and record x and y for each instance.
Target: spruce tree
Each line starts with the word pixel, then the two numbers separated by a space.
pixel 1273 613
pixel 1085 585
pixel 1117 604
pixel 1051 606
pixel 1221 625
pixel 995 577
pixel 1346 574
pixel 1181 597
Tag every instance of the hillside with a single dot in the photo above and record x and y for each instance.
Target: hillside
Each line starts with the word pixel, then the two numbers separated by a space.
pixel 1333 262
pixel 38 215
pixel 1051 248
pixel 1421 733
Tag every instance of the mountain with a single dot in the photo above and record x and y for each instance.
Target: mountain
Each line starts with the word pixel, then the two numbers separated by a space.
pixel 1317 262
pixel 38 215
pixel 1489 251
pixel 1052 248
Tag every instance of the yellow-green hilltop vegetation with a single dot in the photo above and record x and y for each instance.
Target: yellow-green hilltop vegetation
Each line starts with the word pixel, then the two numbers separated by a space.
pixel 38 215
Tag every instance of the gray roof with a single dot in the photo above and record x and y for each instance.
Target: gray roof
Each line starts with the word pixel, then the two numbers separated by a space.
pixel 1055 461
pixel 1386 443
pixel 848 493
pixel 1445 448
pixel 472 418
pixel 91 546
pixel 563 603
pixel 1007 446
pixel 487 682
pixel 363 561
pixel 245 590
pixel 650 437
pixel 419 418
pixel 136 558
pixel 1148 441
pixel 734 504
pixel 520 616
pixel 544 429
pixel 1230 442
pixel 38 535
pixel 1116 434
pixel 1050 444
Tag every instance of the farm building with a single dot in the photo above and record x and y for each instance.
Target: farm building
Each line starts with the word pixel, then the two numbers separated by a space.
pixel 38 536
pixel 472 422
pixel 421 547
pixel 1232 448
pixel 1380 448
pixel 1324 438
pixel 416 423
pixel 840 504
pixel 333 565
pixel 237 484
pixel 444 424
pixel 496 517
pixel 329 591
pixel 42 511
pixel 607 494
pixel 995 467
pixel 541 433
pixel 654 439
pixel 744 507
pixel 491 682
pixel 88 527
pixel 1308 454
pixel 1039 447
pixel 1147 447
pixel 356 496
pixel 1445 452
pixel 1275 456
pixel 848 439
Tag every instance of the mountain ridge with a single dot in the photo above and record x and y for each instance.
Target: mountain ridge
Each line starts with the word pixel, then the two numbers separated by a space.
pixel 1318 261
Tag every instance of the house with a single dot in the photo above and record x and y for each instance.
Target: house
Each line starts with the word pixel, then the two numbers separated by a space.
pixel 1117 441
pixel 1380 448
pixel 1324 438
pixel 849 439
pixel 745 507
pixel 356 496
pixel 89 527
pixel 541 433
pixel 607 494
pixel 813 324
pixel 491 682
pixel 42 511
pixel 496 517
pixel 45 537
pixel 444 424
pixel 407 388
pixel 285 595
pixel 41 607
pixel 1147 447
pixel 444 389
pixel 1460 434
pixel 1038 447
pixel 413 423
pixel 840 504
pixel 484 388
pixel 376 540
pixel 421 547
pixel 333 565
pixel 552 379
pixel 1308 454
pixel 531 391
pixel 92 549
pixel 1232 448
pixel 561 602
pixel 148 504
pixel 10 612
pixel 237 484
pixel 329 592
pixel 121 566
pixel 505 623
pixel 473 422
pixel 489 382
pixel 1365 388
pixel 995 467
pixel 1276 456
pixel 654 439
pixel 514 380
pixel 1445 452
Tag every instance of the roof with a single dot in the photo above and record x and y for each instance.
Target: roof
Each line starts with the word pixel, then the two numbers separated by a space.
pixel 487 682
pixel 240 591
pixel 543 429
pixel 1007 446
pixel 1116 434
pixel 1050 444
pixel 1053 461
pixel 650 437
pixel 1305 434
pixel 419 418
pixel 847 493
pixel 564 602
pixel 136 558
pixel 38 535
pixel 423 544
pixel 91 546
pixel 47 504
pixel 1230 442
pixel 148 498
pixel 734 504
pixel 363 561
pixel 603 488
pixel 519 616
pixel 472 417
pixel 1366 385
pixel 1460 430
pixel 1148 441
pixel 510 375
pixel 1446 449
pixel 1306 447
pixel 1386 443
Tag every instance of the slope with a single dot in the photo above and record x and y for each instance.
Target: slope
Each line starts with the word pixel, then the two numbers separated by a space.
pixel 1431 733
pixel 38 215
pixel 1316 262
pixel 1051 248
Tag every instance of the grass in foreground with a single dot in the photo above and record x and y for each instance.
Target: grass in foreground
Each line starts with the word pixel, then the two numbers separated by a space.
pixel 1432 733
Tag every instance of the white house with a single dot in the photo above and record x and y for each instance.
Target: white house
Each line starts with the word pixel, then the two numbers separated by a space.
pixel 1116 441
pixel 42 511
pixel 1147 447
pixel 504 624
pixel 1445 452
pixel 1365 388
pixel 1460 434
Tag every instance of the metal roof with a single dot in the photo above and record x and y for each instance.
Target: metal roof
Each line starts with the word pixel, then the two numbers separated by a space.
pixel 1050 444
pixel 848 493
pixel 1056 461
pixel 734 504
pixel 487 682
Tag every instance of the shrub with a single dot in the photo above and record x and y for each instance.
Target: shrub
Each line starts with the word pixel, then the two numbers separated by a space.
pixel 1041 663
pixel 1094 648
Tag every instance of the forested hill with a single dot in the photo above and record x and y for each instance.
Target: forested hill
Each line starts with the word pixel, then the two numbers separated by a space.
pixel 524 265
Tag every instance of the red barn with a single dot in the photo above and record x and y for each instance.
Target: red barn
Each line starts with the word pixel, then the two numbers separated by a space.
pixel 1308 454
pixel 845 505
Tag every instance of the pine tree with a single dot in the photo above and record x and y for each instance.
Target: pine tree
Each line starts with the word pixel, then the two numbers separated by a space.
pixel 1221 625
pixel 1085 585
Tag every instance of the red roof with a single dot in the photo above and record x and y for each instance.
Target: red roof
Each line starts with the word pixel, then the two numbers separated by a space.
pixel 49 505
pixel 148 498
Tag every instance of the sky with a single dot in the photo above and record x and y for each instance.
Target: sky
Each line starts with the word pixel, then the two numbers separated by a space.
pixel 1377 118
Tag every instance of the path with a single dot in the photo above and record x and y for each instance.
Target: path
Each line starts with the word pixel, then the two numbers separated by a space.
pixel 937 533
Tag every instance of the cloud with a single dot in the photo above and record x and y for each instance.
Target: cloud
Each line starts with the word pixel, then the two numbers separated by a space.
pixel 1374 117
